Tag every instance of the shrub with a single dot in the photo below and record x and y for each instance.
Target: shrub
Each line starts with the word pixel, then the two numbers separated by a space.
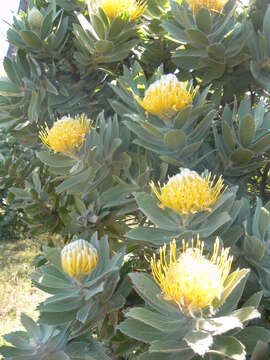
pixel 144 137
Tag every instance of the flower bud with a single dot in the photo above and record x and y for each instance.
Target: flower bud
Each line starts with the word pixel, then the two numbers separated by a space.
pixel 35 18
pixel 79 258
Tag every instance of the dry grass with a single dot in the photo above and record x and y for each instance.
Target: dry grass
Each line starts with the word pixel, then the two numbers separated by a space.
pixel 16 291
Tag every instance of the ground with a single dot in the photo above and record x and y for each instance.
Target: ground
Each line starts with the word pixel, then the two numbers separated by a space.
pixel 16 292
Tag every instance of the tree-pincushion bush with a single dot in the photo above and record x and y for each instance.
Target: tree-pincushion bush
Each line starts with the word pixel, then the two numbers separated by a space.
pixel 146 132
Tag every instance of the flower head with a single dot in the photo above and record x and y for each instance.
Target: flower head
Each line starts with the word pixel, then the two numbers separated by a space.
pixel 212 5
pixel 79 258
pixel 189 278
pixel 166 97
pixel 132 8
pixel 188 192
pixel 67 134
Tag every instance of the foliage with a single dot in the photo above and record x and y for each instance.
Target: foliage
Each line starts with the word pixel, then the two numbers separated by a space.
pixel 136 126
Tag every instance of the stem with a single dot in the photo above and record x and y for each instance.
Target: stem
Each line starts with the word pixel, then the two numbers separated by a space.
pixel 264 180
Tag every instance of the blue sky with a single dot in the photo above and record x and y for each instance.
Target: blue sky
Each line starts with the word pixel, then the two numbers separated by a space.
pixel 7 11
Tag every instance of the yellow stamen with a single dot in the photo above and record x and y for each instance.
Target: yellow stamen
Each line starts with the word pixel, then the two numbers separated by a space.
pixel 114 8
pixel 166 97
pixel 188 192
pixel 79 258
pixel 212 5
pixel 67 134
pixel 191 280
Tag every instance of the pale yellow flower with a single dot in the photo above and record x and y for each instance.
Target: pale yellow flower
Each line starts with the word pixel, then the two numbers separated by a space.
pixel 67 134
pixel 188 192
pixel 131 8
pixel 166 97
pixel 79 258
pixel 212 5
pixel 190 279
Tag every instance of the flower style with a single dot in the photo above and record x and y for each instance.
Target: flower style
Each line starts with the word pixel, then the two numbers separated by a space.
pixel 212 5
pixel 192 280
pixel 67 134
pixel 132 8
pixel 79 258
pixel 188 192
pixel 166 97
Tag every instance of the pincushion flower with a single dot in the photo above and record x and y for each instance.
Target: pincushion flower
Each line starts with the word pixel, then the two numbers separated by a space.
pixel 79 258
pixel 131 8
pixel 67 134
pixel 188 192
pixel 189 278
pixel 166 97
pixel 212 5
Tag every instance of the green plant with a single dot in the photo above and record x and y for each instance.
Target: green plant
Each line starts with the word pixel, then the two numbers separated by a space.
pixel 140 128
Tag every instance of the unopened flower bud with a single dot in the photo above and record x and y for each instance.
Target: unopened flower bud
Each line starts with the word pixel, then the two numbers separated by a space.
pixel 79 258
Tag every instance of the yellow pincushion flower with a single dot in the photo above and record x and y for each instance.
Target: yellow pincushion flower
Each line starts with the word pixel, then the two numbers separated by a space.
pixel 188 192
pixel 166 97
pixel 132 8
pixel 189 278
pixel 67 134
pixel 212 5
pixel 79 258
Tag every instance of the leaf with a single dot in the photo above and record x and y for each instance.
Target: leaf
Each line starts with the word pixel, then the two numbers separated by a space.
pixel 204 20
pixel 55 160
pixel 104 46
pixel 56 320
pixel 229 347
pixel 233 289
pixel 82 314
pixel 219 325
pixel 98 26
pixel 53 255
pixel 139 331
pixel 199 341
pixel 262 144
pixel 156 356
pixel 254 300
pixel 31 327
pixel 178 35
pixel 8 88
pixel 11 72
pixel 31 39
pixel 156 237
pixel 261 351
pixel 172 346
pixel 149 207
pixel 9 352
pixel 158 321
pixel 19 339
pixel 228 135
pixel 46 25
pixel 151 294
pixel 87 27
pixel 75 180
pixel 86 350
pixel 198 37
pixel 59 355
pixel 60 303
pixel 251 335
pixel 247 130
pixel 264 221
pixel 216 51
pixel 253 248
pixel 175 139
pixel 242 156
pixel 266 22
pixel 213 223
pixel 246 313
pixel 20 194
